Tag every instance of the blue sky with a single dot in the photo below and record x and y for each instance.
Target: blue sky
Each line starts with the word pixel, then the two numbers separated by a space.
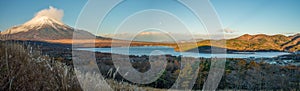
pixel 239 16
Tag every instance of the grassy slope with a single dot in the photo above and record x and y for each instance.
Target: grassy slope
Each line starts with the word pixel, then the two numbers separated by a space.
pixel 256 43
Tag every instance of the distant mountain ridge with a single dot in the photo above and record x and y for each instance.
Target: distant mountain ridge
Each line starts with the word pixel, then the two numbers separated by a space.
pixel 259 42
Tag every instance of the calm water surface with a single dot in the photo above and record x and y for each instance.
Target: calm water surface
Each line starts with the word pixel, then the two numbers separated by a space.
pixel 152 50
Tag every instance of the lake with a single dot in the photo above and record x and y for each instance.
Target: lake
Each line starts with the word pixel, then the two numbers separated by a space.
pixel 158 50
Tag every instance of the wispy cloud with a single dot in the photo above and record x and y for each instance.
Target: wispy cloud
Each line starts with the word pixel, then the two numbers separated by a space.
pixel 166 37
pixel 291 33
pixel 51 12
pixel 228 30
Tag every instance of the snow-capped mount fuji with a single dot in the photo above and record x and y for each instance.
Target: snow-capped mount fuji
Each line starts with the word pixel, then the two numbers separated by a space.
pixel 41 21
pixel 43 28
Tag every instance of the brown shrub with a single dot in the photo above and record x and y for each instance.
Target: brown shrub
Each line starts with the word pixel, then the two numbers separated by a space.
pixel 24 69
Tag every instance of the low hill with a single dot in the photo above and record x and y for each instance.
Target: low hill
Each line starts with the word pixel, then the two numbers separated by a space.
pixel 260 42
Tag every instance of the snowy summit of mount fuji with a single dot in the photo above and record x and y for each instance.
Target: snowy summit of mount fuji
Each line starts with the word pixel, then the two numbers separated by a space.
pixel 46 25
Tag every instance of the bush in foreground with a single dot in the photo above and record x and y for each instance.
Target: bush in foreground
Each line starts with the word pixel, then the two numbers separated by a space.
pixel 22 68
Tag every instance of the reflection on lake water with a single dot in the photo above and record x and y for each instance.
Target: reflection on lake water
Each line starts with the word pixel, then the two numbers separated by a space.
pixel 147 50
